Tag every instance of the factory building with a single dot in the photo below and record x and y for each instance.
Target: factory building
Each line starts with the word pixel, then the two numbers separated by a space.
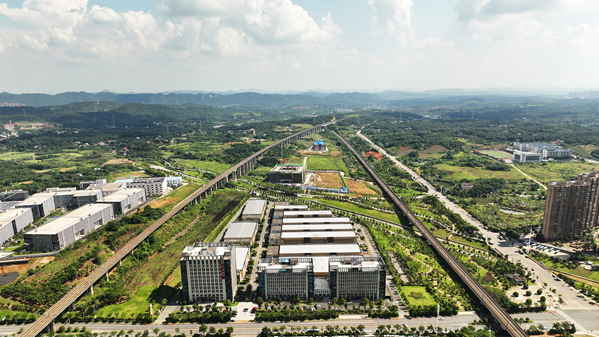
pixel 319 250
pixel 41 204
pixel 317 237
pixel 241 232
pixel 12 221
pixel 287 174
pixel 279 210
pixel 69 228
pixel 153 186
pixel 14 195
pixel 126 200
pixel 308 214
pixel 286 278
pixel 253 209
pixel 317 228
pixel 312 221
pixel 108 189
pixel 357 278
pixel 209 272
pixel 65 198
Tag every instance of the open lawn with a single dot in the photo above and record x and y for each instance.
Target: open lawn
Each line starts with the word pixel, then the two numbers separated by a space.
pixel 140 303
pixel 212 166
pixel 174 197
pixel 417 295
pixel 370 212
pixel 16 155
pixel 461 239
pixel 317 162
pixel 556 171
pixel 565 267
pixel 457 173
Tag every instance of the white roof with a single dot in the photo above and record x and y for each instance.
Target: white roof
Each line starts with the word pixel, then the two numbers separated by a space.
pixel 129 191
pixel 310 213
pixel 254 207
pixel 314 221
pixel 55 226
pixel 290 207
pixel 114 198
pixel 241 254
pixel 9 215
pixel 37 199
pixel 321 264
pixel 79 193
pixel 316 249
pixel 85 210
pixel 338 234
pixel 296 228
pixel 241 230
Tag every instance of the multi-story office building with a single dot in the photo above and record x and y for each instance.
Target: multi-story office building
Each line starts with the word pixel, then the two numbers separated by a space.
pixel 286 278
pixel 153 186
pixel 566 209
pixel 209 272
pixel 357 278
pixel 545 150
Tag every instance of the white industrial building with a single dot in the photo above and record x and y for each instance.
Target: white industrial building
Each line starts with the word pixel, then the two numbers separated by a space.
pixel 527 151
pixel 241 232
pixel 69 228
pixel 41 204
pixel 254 209
pixel 318 237
pixel 317 228
pixel 75 198
pixel 125 200
pixel 107 189
pixel 13 221
pixel 307 214
pixel 153 186
pixel 315 221
pixel 351 249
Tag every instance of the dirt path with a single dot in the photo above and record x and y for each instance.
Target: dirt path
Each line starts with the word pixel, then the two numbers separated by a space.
pixel 529 177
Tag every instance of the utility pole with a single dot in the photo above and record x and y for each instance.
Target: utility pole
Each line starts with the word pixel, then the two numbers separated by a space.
pixel 438 307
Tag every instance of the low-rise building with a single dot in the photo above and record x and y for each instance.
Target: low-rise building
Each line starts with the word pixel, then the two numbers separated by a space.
pixel 350 249
pixel 317 228
pixel 108 189
pixel 287 174
pixel 12 221
pixel 85 184
pixel 174 181
pixel 527 157
pixel 14 195
pixel 286 278
pixel 69 228
pixel 125 200
pixel 209 272
pixel 241 232
pixel 5 205
pixel 317 237
pixel 357 278
pixel 153 186
pixel 242 258
pixel 279 210
pixel 308 214
pixel 253 209
pixel 314 221
pixel 75 198
pixel 41 204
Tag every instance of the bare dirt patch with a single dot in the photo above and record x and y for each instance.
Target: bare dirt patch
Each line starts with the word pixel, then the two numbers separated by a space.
pixel 335 153
pixel 118 161
pixel 404 150
pixel 359 187
pixel 327 180
pixel 374 154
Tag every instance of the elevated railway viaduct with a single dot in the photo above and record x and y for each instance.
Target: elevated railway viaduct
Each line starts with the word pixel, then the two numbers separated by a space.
pixel 496 310
pixel 47 319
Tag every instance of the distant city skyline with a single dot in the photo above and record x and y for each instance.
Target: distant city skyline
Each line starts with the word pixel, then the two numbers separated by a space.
pixel 52 46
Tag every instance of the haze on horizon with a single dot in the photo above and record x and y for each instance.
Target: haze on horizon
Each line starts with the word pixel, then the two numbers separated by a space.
pixel 52 46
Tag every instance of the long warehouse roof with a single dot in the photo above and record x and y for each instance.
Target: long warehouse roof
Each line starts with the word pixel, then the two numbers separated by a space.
pixel 309 221
pixel 316 227
pixel 338 234
pixel 307 213
pixel 319 249
pixel 241 230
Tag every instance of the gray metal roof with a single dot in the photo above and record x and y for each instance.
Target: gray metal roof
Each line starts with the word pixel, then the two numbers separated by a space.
pixel 254 207
pixel 316 227
pixel 290 207
pixel 307 213
pixel 314 221
pixel 338 234
pixel 316 249
pixel 7 205
pixel 241 230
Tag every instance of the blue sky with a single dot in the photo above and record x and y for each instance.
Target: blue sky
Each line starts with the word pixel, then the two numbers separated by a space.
pixel 337 45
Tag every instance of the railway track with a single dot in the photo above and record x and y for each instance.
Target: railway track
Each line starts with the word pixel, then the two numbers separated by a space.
pixel 47 319
pixel 494 308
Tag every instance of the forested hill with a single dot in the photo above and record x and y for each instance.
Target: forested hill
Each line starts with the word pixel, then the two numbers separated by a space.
pixel 240 99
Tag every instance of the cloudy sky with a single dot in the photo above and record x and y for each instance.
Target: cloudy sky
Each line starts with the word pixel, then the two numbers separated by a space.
pixel 344 45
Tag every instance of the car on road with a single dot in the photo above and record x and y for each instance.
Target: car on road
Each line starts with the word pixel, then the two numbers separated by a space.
pixel 277 321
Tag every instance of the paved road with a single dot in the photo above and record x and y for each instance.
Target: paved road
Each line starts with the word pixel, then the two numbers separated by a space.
pixel 578 306
pixel 547 319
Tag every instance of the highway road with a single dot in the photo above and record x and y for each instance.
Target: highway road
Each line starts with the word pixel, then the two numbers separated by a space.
pixel 576 308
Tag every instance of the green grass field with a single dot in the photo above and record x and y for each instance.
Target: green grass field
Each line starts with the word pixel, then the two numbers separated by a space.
pixel 425 299
pixel 496 154
pixel 457 173
pixel 556 171
pixel 316 162
pixel 16 155
pixel 140 303
pixel 211 166
pixel 580 271
pixel 370 212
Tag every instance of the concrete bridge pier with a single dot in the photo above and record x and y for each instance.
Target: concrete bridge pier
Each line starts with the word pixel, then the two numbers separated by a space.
pixel 91 289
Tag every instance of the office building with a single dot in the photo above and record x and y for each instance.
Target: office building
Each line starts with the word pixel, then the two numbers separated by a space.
pixel 209 272
pixel 69 228
pixel 123 201
pixel 253 209
pixel 12 221
pixel 241 232
pixel 546 150
pixel 287 174
pixel 526 157
pixel 41 204
pixel 286 278
pixel 357 278
pixel 174 181
pixel 108 189
pixel 154 186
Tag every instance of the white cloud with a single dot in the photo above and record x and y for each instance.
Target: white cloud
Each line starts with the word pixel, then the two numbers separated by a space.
pixel 392 13
pixel 69 29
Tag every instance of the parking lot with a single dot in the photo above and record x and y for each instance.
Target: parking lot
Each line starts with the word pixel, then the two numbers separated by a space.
pixel 244 311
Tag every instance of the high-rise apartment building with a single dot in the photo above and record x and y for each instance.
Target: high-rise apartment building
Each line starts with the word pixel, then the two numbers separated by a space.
pixel 208 272
pixel 569 209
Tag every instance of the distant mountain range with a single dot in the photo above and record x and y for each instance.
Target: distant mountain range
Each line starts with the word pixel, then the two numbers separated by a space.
pixel 231 99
